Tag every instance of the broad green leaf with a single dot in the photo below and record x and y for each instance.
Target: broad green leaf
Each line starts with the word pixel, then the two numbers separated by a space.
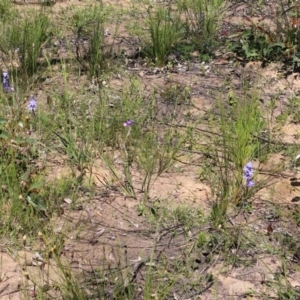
pixel 4 135
pixel 37 185
pixel 2 121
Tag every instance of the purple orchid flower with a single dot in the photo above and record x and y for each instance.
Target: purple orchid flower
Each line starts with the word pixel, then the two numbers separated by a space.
pixel 248 173
pixel 5 82
pixel 32 104
pixel 128 123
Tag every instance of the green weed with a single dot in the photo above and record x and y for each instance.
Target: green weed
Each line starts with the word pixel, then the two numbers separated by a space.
pixel 163 30
pixel 238 143
pixel 28 37
pixel 6 10
pixel 202 21
pixel 276 40
pixel 88 25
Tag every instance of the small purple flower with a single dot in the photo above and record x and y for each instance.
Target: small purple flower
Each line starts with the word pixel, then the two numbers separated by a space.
pixel 128 123
pixel 5 81
pixel 32 104
pixel 250 183
pixel 248 174
pixel 248 170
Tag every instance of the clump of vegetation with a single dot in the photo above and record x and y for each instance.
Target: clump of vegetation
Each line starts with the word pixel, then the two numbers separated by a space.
pixel 273 38
pixel 22 40
pixel 89 25
pixel 162 29
pixel 202 19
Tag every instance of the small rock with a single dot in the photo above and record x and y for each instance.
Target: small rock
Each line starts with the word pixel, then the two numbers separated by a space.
pixel 296 199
